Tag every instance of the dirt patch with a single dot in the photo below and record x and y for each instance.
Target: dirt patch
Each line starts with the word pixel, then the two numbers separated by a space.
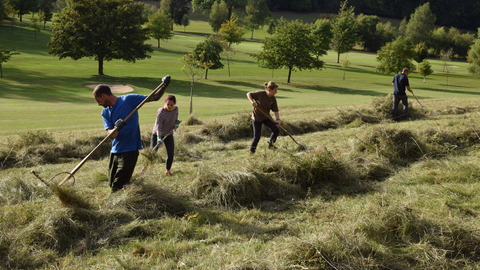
pixel 116 88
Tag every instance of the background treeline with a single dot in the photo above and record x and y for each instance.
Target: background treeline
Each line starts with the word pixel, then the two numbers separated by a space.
pixel 461 14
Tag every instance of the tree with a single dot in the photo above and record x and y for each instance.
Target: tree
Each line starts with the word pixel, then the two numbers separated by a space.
pixel 3 11
pixel 322 37
pixel 36 27
pixel 232 34
pixel 395 56
pixel 175 9
pixel 446 56
pixel 367 31
pixel 218 15
pixel 257 14
pixel 24 6
pixel 159 25
pixel 45 15
pixel 208 51
pixel 185 22
pixel 5 55
pixel 344 30
pixel 424 69
pixel 421 24
pixel 291 46
pixel 192 66
pixel 100 29
pixel 207 5
pixel 474 58
pixel 421 52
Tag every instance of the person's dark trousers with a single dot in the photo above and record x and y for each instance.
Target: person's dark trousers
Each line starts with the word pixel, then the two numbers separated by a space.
pixel 396 102
pixel 257 132
pixel 121 168
pixel 169 143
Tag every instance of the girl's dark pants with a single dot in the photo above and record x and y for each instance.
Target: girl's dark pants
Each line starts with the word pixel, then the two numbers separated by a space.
pixel 169 143
pixel 257 132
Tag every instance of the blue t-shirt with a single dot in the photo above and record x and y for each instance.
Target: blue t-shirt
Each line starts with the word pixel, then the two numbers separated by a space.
pixel 400 82
pixel 128 138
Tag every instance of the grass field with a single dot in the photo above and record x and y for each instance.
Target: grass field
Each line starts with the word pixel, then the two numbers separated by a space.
pixel 363 192
pixel 38 88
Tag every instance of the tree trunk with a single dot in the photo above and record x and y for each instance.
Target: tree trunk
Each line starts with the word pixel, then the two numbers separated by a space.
pixel 1 73
pixel 158 43
pixel 252 34
pixel 191 94
pixel 289 74
pixel 100 66
pixel 338 58
pixel 206 73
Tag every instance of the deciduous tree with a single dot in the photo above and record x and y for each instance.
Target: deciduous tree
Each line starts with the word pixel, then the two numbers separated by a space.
pixel 344 30
pixel 100 29
pixel 232 34
pixel 208 51
pixel 474 58
pixel 5 55
pixel 159 25
pixel 421 24
pixel 24 6
pixel 395 56
pixel 218 15
pixel 193 67
pixel 290 47
pixel 257 15
pixel 175 9
pixel 425 69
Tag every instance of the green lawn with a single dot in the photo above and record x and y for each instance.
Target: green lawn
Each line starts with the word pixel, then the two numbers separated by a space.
pixel 39 91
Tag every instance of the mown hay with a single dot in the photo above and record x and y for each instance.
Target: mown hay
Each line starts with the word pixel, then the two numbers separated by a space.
pixel 399 146
pixel 147 201
pixel 231 189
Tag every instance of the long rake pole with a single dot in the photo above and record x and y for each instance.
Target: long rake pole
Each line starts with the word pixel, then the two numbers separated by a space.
pixel 417 100
pixel 162 87
pixel 271 119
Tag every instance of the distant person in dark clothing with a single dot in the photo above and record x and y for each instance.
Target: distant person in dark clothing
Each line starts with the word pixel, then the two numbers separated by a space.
pixel 400 83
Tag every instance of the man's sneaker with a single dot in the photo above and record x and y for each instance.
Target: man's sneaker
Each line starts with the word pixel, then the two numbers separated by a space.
pixel 271 146
pixel 167 172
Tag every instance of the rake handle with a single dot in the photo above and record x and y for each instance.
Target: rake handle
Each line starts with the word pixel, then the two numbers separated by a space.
pixel 271 119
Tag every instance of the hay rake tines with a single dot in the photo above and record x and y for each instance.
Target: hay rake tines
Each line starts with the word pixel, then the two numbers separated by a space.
pixel 49 181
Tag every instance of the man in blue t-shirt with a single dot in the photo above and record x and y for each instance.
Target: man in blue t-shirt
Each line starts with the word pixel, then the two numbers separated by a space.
pixel 400 82
pixel 126 141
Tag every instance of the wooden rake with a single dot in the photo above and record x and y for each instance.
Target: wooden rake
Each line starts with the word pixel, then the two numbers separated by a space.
pixel 271 119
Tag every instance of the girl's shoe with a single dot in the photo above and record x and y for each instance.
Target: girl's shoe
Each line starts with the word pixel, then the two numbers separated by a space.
pixel 167 172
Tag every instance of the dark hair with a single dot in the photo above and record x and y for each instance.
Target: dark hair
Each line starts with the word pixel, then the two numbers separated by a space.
pixel 405 70
pixel 102 89
pixel 171 98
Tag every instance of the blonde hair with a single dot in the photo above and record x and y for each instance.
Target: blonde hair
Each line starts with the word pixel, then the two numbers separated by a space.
pixel 271 85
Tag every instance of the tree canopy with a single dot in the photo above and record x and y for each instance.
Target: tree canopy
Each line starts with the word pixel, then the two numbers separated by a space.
pixel 159 25
pixel 5 55
pixel 421 24
pixel 344 30
pixel 208 51
pixel 175 9
pixel 257 14
pixel 291 46
pixel 218 15
pixel 395 56
pixel 100 29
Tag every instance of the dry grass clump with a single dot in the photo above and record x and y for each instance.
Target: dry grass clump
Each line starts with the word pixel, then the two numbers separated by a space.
pixel 193 120
pixel 147 201
pixel 399 146
pixel 235 188
pixel 40 147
